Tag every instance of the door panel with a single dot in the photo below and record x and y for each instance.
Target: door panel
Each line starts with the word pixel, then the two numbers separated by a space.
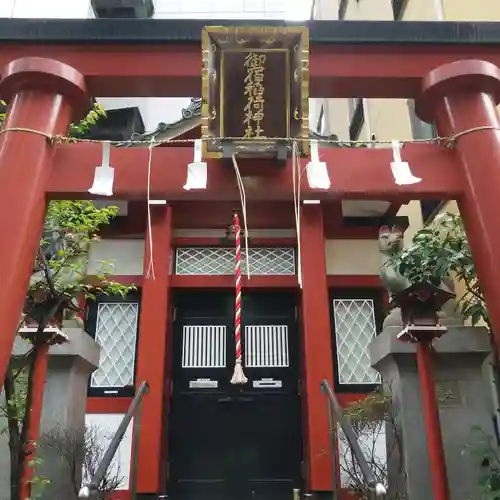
pixel 202 342
pixel 267 423
pixel 235 441
pixel 207 419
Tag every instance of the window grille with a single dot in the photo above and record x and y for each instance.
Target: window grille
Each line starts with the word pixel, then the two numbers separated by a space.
pixel 204 346
pixel 355 328
pixel 266 346
pixel 116 333
pixel 220 261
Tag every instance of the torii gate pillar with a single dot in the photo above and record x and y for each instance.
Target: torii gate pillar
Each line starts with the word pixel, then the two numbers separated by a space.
pixel 461 98
pixel 43 95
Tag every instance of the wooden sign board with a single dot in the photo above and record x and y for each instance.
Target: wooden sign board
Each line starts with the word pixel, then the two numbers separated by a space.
pixel 255 89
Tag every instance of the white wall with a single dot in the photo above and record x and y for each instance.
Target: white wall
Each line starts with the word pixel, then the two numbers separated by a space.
pixel 221 9
pixel 45 9
pixel 106 425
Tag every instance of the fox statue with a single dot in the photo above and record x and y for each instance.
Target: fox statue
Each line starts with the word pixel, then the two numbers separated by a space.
pixel 390 242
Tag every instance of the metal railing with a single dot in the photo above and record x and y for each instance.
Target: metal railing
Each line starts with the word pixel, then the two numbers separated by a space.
pixel 91 490
pixel 336 414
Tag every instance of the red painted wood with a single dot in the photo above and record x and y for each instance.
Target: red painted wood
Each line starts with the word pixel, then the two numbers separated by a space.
pixel 430 410
pixel 128 279
pixel 354 281
pixel 217 214
pixel 318 360
pixel 356 173
pixel 167 70
pixel 108 405
pixel 35 415
pixel 263 215
pixel 152 351
pixel 460 97
pixel 204 281
pixel 25 162
pixel 216 242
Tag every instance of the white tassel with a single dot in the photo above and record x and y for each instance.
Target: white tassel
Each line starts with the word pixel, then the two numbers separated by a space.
pixel 401 169
pixel 317 171
pixel 238 375
pixel 197 170
pixel 104 175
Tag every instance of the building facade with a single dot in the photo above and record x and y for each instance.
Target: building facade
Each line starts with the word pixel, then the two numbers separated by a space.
pixel 179 337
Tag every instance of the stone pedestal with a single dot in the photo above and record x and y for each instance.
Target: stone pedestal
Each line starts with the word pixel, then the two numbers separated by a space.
pixel 64 402
pixel 464 399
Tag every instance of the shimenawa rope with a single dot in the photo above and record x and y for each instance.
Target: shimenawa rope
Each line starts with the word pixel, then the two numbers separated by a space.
pixel 448 141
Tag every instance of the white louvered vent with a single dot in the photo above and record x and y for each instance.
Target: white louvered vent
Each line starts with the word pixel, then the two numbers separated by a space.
pixel 116 333
pixel 266 346
pixel 204 346
pixel 354 330
pixel 220 261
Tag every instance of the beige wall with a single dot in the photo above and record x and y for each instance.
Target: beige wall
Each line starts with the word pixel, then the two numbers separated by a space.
pixel 343 257
pixel 369 10
pixel 126 256
pixel 452 10
pixel 352 257
pixel 421 10
pixel 478 10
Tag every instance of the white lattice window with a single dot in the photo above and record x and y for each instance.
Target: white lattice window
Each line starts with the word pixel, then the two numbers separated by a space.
pixel 116 333
pixel 354 330
pixel 204 346
pixel 220 261
pixel 266 346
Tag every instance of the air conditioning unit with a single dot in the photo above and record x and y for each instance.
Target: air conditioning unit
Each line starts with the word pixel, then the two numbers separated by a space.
pixel 131 9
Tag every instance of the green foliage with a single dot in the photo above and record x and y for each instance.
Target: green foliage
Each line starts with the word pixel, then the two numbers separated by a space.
pixel 15 405
pixel 485 455
pixel 375 406
pixel 59 278
pixel 81 128
pixel 38 483
pixel 70 228
pixel 75 129
pixel 438 252
pixel 3 114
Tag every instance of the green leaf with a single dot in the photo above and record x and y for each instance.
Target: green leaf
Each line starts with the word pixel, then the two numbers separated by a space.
pixel 438 252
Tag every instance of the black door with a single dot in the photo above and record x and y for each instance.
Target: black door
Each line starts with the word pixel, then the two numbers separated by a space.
pixel 235 442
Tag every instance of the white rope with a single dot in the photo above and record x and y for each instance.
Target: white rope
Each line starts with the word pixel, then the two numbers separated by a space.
pixel 150 273
pixel 296 176
pixel 243 201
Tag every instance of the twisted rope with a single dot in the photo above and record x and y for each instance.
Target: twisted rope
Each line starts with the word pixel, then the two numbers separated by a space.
pixel 447 141
pixel 238 375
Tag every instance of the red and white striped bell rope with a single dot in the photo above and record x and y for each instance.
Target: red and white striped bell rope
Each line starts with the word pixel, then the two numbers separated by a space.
pixel 238 375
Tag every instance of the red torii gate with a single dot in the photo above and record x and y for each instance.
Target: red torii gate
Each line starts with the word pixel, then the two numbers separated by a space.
pixel 47 86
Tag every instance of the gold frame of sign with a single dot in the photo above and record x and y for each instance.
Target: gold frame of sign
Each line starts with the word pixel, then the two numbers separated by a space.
pixel 255 89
